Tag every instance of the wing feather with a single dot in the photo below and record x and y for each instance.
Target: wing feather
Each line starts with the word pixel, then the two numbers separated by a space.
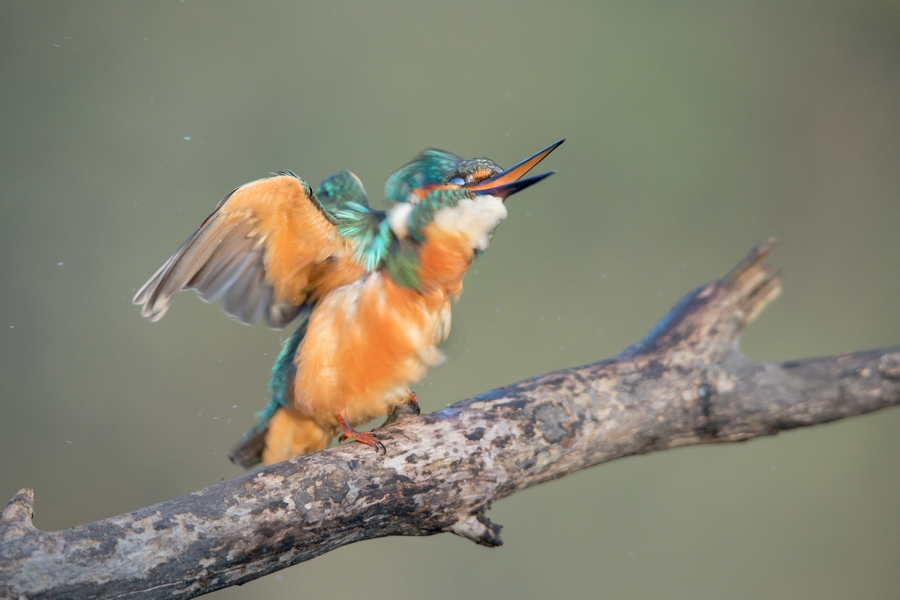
pixel 222 268
pixel 263 251
pixel 248 295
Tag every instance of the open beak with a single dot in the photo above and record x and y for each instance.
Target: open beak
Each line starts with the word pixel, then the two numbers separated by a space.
pixel 509 181
pixel 506 190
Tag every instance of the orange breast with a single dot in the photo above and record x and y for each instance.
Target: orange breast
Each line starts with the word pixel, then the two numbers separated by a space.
pixel 445 257
pixel 368 340
pixel 366 343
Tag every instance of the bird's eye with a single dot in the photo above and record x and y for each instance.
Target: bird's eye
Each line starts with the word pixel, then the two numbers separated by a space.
pixel 458 181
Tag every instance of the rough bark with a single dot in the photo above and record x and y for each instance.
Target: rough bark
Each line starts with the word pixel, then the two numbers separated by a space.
pixel 685 383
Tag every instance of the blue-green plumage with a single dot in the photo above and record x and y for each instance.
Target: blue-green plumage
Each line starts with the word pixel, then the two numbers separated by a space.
pixel 434 167
pixel 344 196
pixel 283 372
pixel 340 190
pixel 402 264
pixel 370 232
pixel 377 245
pixel 281 384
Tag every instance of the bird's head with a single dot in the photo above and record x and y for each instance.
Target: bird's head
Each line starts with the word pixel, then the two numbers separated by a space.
pixel 467 194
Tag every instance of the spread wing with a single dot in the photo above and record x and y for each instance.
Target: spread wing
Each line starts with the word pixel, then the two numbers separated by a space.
pixel 269 248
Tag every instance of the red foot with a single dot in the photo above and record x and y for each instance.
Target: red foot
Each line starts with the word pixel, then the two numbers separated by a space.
pixel 413 400
pixel 360 436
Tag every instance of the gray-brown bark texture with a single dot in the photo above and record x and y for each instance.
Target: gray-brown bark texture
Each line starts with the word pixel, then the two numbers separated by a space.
pixel 685 383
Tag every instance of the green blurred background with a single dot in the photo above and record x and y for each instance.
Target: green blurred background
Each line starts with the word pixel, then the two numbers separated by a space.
pixel 695 130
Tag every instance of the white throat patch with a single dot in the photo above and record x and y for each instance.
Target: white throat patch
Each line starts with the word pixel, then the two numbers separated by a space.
pixel 475 218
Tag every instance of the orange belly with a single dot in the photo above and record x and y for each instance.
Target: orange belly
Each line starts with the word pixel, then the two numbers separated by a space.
pixel 366 343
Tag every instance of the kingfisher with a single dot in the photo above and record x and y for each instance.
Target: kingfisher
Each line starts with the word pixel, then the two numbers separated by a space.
pixel 370 288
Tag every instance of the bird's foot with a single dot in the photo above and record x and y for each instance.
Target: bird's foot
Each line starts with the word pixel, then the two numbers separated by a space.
pixel 413 401
pixel 360 436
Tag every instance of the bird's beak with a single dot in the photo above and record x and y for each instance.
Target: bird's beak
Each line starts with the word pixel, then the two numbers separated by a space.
pixel 508 182
pixel 506 190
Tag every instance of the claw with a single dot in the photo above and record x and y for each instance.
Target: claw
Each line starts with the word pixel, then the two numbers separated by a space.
pixel 363 437
pixel 413 401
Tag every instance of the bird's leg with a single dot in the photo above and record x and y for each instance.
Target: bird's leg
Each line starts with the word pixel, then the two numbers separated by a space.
pixel 360 436
pixel 413 400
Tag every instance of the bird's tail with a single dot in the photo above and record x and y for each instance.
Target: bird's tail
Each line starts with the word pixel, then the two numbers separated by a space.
pixel 249 450
pixel 287 434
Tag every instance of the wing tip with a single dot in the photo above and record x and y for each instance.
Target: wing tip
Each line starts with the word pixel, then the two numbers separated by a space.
pixel 153 306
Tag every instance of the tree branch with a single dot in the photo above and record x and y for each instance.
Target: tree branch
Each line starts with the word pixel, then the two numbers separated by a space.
pixel 685 383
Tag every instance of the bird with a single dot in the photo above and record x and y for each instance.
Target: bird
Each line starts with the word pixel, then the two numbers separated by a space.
pixel 371 289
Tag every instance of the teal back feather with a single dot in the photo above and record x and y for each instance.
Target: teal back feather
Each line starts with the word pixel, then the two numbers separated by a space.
pixel 369 230
pixel 342 189
pixel 249 450
pixel 343 194
pixel 402 265
pixel 283 372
